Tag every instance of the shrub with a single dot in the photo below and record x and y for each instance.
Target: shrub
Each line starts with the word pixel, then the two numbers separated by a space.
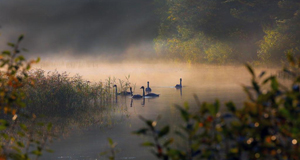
pixel 21 135
pixel 266 127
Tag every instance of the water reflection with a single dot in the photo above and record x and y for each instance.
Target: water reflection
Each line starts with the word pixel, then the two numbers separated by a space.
pixel 180 89
pixel 143 101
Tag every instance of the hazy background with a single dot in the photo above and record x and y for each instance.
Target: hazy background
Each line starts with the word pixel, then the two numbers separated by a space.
pixel 206 32
pixel 80 28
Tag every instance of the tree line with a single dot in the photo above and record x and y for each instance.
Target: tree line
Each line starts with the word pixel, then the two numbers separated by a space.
pixel 228 31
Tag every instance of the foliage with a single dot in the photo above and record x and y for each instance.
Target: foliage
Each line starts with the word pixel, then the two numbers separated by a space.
pixel 219 52
pixel 266 127
pixel 22 136
pixel 248 30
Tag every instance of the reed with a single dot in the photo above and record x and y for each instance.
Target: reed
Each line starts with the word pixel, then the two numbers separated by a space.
pixel 61 95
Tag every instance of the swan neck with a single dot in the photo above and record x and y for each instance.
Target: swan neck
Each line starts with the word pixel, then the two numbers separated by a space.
pixel 143 92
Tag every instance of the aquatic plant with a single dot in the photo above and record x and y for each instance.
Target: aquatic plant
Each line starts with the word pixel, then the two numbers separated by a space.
pixel 61 95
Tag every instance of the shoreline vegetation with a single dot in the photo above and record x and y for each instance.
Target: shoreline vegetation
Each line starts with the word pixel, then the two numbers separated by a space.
pixel 27 94
pixel 33 103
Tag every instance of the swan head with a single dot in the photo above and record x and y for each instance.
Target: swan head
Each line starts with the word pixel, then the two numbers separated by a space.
pixel 142 87
pixel 180 79
pixel 115 86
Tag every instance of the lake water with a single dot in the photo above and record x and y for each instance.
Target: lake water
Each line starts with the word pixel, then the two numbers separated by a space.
pixel 86 142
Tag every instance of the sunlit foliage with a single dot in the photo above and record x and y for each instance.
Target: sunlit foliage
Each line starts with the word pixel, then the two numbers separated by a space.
pixel 263 30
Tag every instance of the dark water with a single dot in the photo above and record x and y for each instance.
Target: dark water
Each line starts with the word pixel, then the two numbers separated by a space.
pixel 87 142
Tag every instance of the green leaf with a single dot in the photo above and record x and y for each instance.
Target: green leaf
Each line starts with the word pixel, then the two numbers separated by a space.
pixel 148 144
pixel 267 79
pixel 49 150
pixel 103 153
pixel 40 124
pixel 4 63
pixel 21 58
pixel 28 67
pixel 250 69
pixel 110 141
pixel 2 127
pixel 248 93
pixel 274 84
pixel 285 112
pixel 6 53
pixel 164 131
pixel 36 152
pixel 4 122
pixel 184 113
pixel 23 126
pixel 214 109
pixel 21 134
pixel 186 106
pixel 256 86
pixel 20 38
pixel 17 149
pixel 180 135
pixel 49 126
pixel 168 142
pixel 141 131
pixel 290 58
pixel 262 74
pixel 11 44
pixel 24 49
pixel 231 106
pixel 20 144
pixel 38 60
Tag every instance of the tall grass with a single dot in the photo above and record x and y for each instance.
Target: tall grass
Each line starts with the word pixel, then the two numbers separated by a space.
pixel 60 95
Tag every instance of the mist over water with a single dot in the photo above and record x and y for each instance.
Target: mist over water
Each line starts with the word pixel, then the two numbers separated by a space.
pixel 159 74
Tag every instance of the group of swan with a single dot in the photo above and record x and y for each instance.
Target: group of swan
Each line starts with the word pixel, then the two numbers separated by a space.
pixel 148 89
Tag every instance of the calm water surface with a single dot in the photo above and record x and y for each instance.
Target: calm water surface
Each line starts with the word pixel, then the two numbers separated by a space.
pixel 87 142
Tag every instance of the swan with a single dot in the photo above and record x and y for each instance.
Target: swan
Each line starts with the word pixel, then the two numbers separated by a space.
pixel 149 94
pixel 148 89
pixel 116 89
pixel 137 95
pixel 124 93
pixel 179 85
pixel 116 93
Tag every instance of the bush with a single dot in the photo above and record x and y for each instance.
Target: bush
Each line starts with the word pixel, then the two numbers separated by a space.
pixel 266 127
pixel 21 135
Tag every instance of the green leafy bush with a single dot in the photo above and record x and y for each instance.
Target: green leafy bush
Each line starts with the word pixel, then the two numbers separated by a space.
pixel 266 127
pixel 21 135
